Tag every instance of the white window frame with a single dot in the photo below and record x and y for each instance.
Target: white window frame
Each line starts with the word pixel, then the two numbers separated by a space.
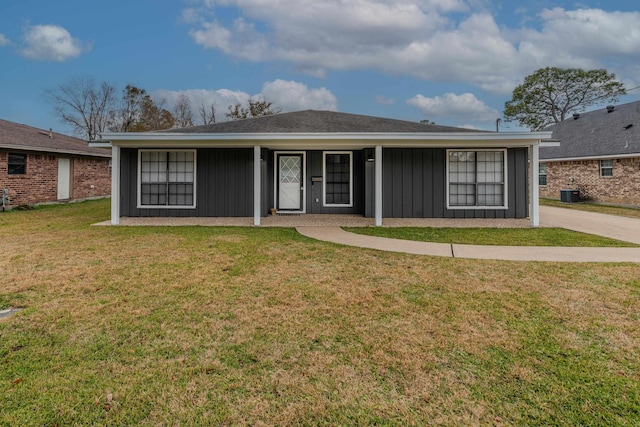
pixel 195 178
pixel 506 179
pixel 540 174
pixel 324 180
pixel 603 168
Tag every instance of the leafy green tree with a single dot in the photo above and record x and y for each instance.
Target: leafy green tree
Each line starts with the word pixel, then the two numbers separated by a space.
pixel 255 108
pixel 548 95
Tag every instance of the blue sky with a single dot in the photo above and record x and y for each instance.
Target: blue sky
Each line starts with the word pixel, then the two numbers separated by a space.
pixel 454 62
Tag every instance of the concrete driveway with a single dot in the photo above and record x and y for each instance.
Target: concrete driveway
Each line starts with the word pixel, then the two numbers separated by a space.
pixel 614 227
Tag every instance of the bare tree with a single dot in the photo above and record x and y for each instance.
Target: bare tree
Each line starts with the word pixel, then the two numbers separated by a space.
pixel 125 118
pixel 182 111
pixel 207 114
pixel 84 105
pixel 255 108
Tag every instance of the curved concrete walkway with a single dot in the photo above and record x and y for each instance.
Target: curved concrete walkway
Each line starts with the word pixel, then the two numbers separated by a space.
pixel 626 229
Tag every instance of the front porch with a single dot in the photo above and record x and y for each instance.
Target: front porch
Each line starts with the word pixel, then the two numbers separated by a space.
pixel 323 220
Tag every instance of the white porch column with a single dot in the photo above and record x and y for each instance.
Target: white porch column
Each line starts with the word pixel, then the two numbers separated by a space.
pixel 534 152
pixel 257 200
pixel 378 186
pixel 115 185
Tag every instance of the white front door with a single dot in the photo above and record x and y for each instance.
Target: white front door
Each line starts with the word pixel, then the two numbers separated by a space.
pixel 290 181
pixel 64 178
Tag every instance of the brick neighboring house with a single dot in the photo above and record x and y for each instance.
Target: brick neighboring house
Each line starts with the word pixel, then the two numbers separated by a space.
pixel 38 166
pixel 599 155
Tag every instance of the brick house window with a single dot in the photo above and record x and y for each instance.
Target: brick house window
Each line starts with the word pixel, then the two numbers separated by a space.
pixel 17 164
pixel 542 174
pixel 606 167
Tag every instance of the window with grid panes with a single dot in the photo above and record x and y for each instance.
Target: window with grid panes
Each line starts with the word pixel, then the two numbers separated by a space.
pixel 606 167
pixel 167 178
pixel 476 178
pixel 337 179
pixel 542 174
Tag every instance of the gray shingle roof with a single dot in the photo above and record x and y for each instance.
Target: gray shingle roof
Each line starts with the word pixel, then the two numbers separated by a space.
pixel 597 133
pixel 17 136
pixel 312 121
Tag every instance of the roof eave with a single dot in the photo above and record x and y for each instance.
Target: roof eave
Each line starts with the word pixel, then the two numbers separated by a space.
pixel 54 150
pixel 601 157
pixel 360 138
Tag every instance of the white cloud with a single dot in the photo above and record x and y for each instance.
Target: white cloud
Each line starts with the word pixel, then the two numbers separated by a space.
pixel 465 107
pixel 294 96
pixel 583 37
pixel 436 40
pixel 4 41
pixel 51 43
pixel 287 95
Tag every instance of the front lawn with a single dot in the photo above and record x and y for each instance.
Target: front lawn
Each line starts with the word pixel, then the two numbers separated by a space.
pixel 493 236
pixel 261 326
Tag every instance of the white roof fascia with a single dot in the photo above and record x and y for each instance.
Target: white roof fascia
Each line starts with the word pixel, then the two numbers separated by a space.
pixel 326 144
pixel 159 136
pixel 552 143
pixel 100 144
pixel 576 159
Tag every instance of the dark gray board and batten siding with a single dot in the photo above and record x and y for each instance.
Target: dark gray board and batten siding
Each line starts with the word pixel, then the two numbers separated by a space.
pixel 224 185
pixel 414 185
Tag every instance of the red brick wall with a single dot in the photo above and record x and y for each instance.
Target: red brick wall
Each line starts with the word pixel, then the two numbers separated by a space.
pixel 621 188
pixel 90 176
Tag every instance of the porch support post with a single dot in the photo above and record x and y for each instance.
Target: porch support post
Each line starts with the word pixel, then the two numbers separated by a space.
pixel 256 185
pixel 378 186
pixel 534 152
pixel 115 185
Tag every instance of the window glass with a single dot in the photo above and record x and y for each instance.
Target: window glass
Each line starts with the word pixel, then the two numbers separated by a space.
pixel 542 173
pixel 606 167
pixel 337 179
pixel 167 178
pixel 476 178
pixel 17 164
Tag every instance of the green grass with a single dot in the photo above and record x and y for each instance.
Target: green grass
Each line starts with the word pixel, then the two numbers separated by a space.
pixel 594 207
pixel 261 326
pixel 493 236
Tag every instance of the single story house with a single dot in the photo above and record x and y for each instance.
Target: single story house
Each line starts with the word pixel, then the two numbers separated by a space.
pixel 599 156
pixel 324 162
pixel 38 166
